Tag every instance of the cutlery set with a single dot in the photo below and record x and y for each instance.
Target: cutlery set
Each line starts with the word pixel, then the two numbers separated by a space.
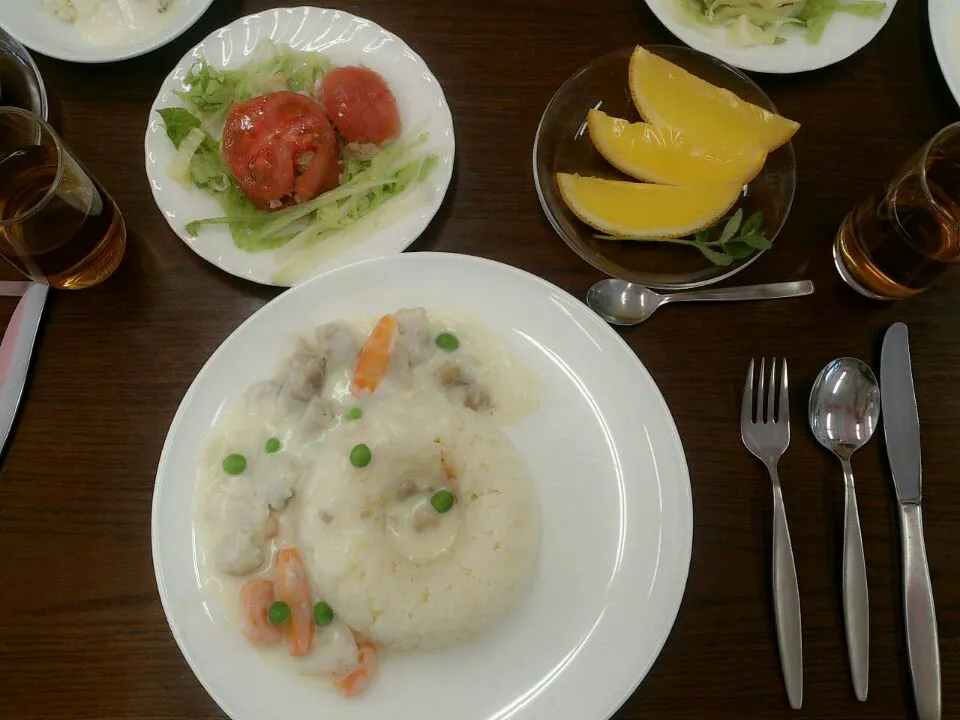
pixel 845 405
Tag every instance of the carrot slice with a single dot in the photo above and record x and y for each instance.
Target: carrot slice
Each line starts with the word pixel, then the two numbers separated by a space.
pixel 374 357
pixel 293 588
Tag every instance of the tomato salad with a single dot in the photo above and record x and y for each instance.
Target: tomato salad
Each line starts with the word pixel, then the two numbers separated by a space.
pixel 305 149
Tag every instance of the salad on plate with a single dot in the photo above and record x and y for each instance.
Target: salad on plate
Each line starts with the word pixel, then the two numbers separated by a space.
pixel 293 149
pixel 766 22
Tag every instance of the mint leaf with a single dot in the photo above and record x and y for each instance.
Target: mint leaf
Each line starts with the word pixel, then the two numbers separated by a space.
pixel 755 240
pixel 752 224
pixel 737 250
pixel 717 258
pixel 731 227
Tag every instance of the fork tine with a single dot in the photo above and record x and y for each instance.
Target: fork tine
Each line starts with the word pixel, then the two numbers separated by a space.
pixel 761 389
pixel 746 405
pixel 772 392
pixel 784 414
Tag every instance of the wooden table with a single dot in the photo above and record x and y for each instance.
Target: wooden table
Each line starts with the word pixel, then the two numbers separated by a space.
pixel 82 632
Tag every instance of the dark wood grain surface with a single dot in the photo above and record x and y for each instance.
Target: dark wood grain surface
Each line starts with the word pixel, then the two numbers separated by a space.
pixel 82 631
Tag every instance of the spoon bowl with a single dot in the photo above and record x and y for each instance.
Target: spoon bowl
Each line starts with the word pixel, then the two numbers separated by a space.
pixel 844 406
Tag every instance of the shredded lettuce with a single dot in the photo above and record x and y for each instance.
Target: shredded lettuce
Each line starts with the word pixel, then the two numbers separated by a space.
pixel 760 22
pixel 367 184
pixel 271 68
pixel 371 176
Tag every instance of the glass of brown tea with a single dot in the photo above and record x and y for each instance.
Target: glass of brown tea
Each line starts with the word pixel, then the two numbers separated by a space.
pixel 900 240
pixel 57 225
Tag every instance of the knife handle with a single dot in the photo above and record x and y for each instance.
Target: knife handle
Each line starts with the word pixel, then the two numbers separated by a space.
pixel 856 598
pixel 786 601
pixel 920 616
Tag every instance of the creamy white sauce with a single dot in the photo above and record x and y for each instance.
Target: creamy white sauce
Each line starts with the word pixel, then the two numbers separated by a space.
pixel 316 438
pixel 122 22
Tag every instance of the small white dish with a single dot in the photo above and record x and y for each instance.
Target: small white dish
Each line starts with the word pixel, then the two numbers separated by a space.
pixel 612 480
pixel 844 35
pixel 37 28
pixel 345 39
pixel 945 32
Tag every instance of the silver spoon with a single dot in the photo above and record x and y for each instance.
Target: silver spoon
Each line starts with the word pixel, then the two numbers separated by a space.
pixel 623 303
pixel 844 409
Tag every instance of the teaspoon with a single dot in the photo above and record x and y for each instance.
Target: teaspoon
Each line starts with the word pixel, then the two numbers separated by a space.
pixel 844 410
pixel 623 303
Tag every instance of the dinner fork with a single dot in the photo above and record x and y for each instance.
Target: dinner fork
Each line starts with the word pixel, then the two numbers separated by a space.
pixel 766 434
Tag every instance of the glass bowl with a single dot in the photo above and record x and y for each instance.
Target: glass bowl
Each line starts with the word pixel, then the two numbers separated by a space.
pixel 562 144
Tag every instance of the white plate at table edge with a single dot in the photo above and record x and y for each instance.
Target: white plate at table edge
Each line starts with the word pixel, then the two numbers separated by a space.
pixel 40 31
pixel 844 35
pixel 622 631
pixel 944 18
pixel 407 215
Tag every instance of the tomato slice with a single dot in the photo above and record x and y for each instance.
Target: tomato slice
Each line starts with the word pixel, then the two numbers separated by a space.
pixel 281 148
pixel 360 104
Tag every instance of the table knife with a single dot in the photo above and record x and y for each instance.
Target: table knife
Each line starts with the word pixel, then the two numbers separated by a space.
pixel 901 428
pixel 16 349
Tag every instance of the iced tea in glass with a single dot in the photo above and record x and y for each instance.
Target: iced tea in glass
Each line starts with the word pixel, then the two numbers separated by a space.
pixel 900 240
pixel 57 224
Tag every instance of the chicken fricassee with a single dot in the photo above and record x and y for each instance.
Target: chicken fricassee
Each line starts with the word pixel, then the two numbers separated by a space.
pixel 336 399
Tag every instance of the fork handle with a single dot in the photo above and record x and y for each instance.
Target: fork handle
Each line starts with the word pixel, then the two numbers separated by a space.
pixel 786 601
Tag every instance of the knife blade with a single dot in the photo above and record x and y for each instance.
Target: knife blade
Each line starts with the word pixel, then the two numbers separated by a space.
pixel 901 429
pixel 16 349
pixel 14 288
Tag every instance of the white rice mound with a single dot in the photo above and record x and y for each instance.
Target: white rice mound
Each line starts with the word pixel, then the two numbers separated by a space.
pixel 445 601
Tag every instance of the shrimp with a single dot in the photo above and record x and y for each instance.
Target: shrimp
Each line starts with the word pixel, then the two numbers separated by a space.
pixel 255 600
pixel 356 681
pixel 294 589
pixel 374 357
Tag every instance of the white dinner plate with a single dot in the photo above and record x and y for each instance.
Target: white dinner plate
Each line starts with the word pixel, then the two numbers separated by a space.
pixel 843 36
pixel 614 494
pixel 40 30
pixel 346 40
pixel 945 32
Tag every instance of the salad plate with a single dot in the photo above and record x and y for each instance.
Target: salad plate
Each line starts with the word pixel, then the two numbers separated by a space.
pixel 378 226
pixel 945 33
pixel 36 26
pixel 844 35
pixel 613 489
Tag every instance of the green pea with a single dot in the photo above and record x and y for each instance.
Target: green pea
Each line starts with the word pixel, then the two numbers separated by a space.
pixel 447 341
pixel 442 501
pixel 278 613
pixel 234 464
pixel 360 456
pixel 322 614
pixel 273 445
pixel 354 413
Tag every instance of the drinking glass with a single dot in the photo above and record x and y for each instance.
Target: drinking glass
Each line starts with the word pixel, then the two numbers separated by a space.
pixel 57 225
pixel 898 241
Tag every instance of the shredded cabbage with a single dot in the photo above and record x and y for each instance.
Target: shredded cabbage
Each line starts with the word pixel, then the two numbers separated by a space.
pixel 760 22
pixel 180 167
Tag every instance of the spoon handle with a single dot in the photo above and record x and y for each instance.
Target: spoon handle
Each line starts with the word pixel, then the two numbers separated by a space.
pixel 770 291
pixel 856 599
